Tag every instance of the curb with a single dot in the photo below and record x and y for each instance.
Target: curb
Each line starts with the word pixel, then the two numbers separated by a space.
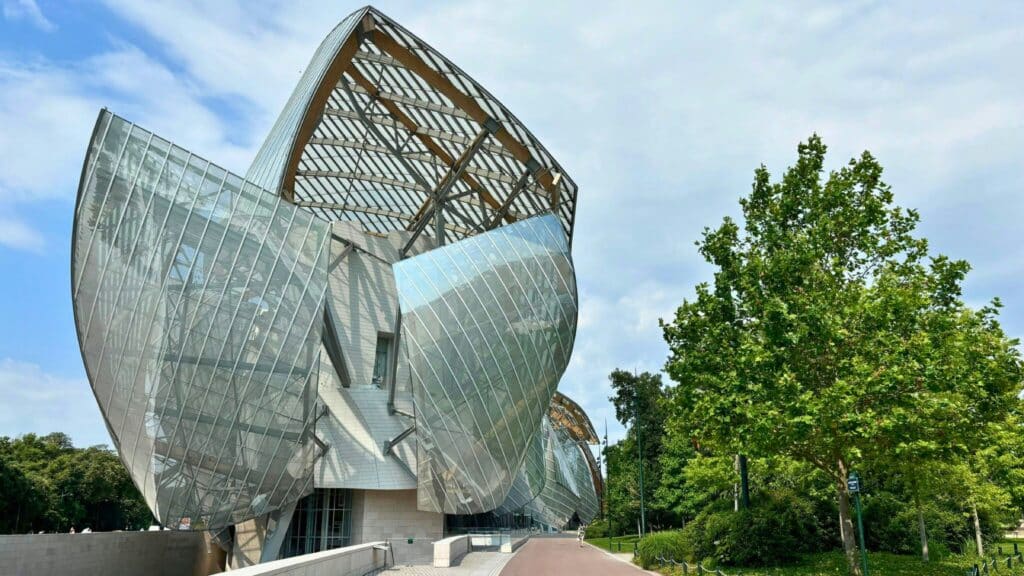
pixel 617 559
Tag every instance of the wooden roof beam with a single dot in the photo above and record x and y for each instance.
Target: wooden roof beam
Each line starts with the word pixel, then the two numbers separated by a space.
pixel 436 80
pixel 427 141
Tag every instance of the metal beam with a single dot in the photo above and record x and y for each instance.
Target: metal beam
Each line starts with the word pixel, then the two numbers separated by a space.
pixel 389 444
pixel 507 204
pixel 369 210
pixel 419 132
pixel 415 102
pixel 427 140
pixel 439 82
pixel 393 369
pixel 386 142
pixel 358 176
pixel 455 172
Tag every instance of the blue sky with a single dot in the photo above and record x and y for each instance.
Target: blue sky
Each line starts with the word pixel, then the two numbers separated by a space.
pixel 659 111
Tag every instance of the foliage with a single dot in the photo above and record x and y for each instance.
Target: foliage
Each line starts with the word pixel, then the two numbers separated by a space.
pixel 831 337
pixel 774 530
pixel 639 401
pixel 886 564
pixel 597 529
pixel 663 544
pixel 46 484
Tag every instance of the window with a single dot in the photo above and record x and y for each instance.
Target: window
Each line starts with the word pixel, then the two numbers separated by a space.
pixel 322 521
pixel 382 360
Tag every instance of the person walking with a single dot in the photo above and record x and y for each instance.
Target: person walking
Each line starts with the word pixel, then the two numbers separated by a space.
pixel 579 534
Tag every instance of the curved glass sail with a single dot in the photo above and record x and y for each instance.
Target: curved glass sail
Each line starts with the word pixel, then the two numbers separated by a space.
pixel 197 300
pixel 489 323
pixel 568 488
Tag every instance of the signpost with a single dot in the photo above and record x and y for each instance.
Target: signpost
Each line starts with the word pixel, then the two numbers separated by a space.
pixel 853 487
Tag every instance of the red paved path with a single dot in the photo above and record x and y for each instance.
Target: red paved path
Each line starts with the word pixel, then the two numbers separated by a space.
pixel 563 556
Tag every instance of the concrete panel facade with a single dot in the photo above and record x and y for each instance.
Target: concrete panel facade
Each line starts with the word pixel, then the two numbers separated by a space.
pixel 392 515
pixel 349 561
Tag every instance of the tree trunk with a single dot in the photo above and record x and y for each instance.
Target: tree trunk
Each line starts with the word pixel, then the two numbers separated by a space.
pixel 921 527
pixel 846 523
pixel 977 530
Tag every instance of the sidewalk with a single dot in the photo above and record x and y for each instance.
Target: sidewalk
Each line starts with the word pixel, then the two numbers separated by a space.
pixel 482 563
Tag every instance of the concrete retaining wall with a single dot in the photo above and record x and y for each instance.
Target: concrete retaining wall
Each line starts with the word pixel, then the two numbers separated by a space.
pixel 102 553
pixel 349 561
pixel 449 550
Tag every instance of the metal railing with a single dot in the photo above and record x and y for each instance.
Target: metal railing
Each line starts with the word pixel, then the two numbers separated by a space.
pixel 688 568
pixel 992 565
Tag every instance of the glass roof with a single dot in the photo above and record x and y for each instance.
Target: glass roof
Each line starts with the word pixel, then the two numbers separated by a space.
pixel 382 130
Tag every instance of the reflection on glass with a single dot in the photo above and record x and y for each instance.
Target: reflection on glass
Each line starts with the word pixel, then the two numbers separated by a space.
pixel 489 323
pixel 197 300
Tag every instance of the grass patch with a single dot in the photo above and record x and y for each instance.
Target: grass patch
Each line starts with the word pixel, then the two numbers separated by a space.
pixel 880 564
pixel 627 543
pixel 834 564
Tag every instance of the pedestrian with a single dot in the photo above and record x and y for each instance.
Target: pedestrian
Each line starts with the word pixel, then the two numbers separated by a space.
pixel 579 535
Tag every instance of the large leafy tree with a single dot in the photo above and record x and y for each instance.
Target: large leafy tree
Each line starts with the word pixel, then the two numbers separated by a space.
pixel 48 484
pixel 639 401
pixel 829 335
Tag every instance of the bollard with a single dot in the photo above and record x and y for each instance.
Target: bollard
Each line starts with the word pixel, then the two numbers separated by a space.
pixel 1015 550
pixel 999 550
pixel 1009 561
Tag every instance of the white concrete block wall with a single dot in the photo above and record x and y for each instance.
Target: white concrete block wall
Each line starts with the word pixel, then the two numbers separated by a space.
pixel 449 550
pixel 349 561
pixel 100 553
pixel 392 515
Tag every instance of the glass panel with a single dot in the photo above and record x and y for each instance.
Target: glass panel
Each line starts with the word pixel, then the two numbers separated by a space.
pixel 196 302
pixel 322 521
pixel 489 323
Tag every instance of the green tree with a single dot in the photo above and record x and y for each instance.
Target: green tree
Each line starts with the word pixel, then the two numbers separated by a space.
pixel 48 484
pixel 639 401
pixel 829 335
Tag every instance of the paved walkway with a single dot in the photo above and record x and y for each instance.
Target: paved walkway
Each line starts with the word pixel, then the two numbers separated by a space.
pixel 480 563
pixel 563 556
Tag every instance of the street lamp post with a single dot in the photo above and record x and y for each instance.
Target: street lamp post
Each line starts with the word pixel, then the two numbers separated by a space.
pixel 607 483
pixel 640 455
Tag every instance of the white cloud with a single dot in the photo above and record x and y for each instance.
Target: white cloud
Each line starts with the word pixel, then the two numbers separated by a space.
pixel 660 112
pixel 36 401
pixel 48 109
pixel 16 234
pixel 15 10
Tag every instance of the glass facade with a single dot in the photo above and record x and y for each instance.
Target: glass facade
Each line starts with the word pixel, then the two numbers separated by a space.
pixel 568 488
pixel 489 324
pixel 197 299
pixel 322 521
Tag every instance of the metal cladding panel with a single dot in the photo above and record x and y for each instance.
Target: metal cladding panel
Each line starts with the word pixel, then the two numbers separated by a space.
pixel 197 300
pixel 489 323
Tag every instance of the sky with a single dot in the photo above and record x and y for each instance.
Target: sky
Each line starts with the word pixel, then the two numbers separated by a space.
pixel 659 111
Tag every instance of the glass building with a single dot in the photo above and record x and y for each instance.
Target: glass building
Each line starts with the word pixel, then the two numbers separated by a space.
pixel 360 337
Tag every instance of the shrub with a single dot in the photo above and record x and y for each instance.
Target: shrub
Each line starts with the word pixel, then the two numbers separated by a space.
pixel 664 544
pixel 597 529
pixel 776 529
